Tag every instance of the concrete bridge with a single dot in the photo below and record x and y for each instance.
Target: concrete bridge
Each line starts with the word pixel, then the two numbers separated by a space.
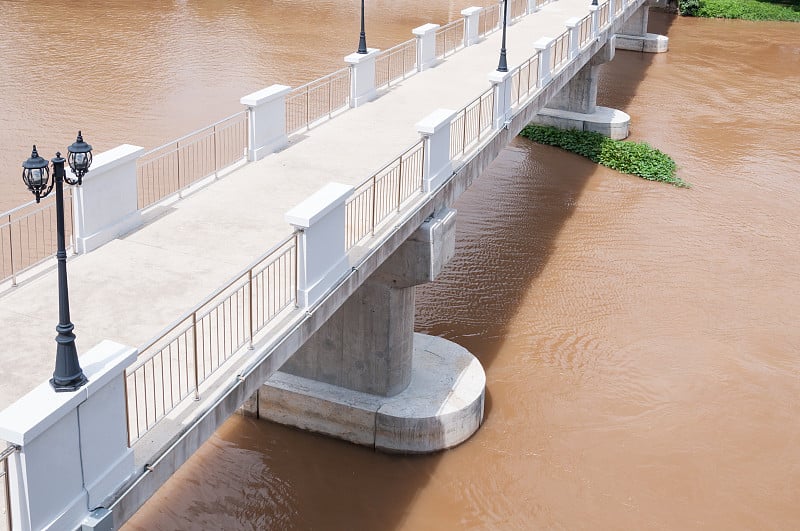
pixel 317 331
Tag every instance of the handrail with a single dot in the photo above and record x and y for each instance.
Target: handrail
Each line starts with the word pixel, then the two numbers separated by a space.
pixel 193 133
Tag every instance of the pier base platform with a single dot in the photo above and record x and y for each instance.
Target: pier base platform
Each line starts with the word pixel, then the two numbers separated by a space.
pixel 606 121
pixel 441 407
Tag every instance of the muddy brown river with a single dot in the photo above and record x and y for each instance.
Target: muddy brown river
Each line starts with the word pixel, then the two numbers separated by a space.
pixel 640 341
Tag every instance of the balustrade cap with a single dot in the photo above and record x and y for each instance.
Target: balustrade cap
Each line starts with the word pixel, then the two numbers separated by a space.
pixel 356 58
pixel 423 30
pixel 496 77
pixel 471 11
pixel 265 95
pixel 572 22
pixel 543 43
pixel 114 157
pixel 435 121
pixel 30 416
pixel 318 204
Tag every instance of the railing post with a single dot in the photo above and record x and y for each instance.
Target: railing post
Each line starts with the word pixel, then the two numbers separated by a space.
pixel 11 250
pixel 545 47
pixel 426 45
pixel 574 26
pixel 502 83
pixel 250 300
pixel 362 76
pixel 471 21
pixel 532 7
pixel 73 447
pixel 322 261
pixel 437 166
pixel 196 358
pixel 266 110
pixel 106 205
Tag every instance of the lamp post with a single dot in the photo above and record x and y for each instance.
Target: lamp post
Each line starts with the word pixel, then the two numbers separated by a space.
pixel 68 375
pixel 362 39
pixel 503 66
pixel 594 2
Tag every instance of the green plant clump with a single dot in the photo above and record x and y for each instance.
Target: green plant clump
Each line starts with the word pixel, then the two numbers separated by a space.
pixel 636 158
pixel 781 10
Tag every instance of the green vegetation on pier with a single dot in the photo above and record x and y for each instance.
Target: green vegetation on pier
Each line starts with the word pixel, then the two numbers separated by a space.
pixel 636 158
pixel 782 10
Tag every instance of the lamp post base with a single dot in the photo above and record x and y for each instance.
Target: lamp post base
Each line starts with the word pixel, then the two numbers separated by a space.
pixel 69 387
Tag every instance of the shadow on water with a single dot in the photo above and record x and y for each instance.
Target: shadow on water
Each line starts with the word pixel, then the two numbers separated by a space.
pixel 257 475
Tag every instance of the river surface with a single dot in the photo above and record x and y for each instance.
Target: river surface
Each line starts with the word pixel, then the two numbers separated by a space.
pixel 640 341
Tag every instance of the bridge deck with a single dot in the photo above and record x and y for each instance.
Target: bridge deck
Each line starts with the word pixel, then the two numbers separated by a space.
pixel 133 287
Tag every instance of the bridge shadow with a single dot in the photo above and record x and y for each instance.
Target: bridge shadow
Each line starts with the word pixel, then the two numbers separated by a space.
pixel 291 479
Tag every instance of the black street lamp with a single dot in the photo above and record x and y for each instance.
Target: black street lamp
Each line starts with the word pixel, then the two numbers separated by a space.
pixel 362 39
pixel 594 2
pixel 68 375
pixel 503 66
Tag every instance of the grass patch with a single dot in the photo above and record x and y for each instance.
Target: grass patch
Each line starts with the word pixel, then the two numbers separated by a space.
pixel 781 10
pixel 636 158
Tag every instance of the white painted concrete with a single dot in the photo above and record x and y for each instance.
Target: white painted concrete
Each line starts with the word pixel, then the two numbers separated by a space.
pixel 74 446
pixel 362 72
pixel 266 110
pixel 440 408
pixel 438 166
pixel 471 25
pixel 426 45
pixel 105 206
pixel 321 257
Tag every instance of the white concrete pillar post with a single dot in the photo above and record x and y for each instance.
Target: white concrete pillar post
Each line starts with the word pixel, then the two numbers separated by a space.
pixel 266 110
pixel 574 26
pixel 437 166
pixel 545 47
pixel 501 81
pixel 532 7
pixel 106 205
pixel 362 76
pixel 426 45
pixel 595 11
pixel 321 257
pixel 471 22
pixel 73 446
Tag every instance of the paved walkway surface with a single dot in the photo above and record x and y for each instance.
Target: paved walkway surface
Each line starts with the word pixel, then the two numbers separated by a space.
pixel 132 288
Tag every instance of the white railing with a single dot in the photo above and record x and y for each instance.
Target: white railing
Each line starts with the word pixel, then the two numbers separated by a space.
pixel 173 366
pixel 28 235
pixel 396 63
pixel 318 99
pixel 5 496
pixel 450 38
pixel 383 194
pixel 525 80
pixel 176 165
pixel 471 124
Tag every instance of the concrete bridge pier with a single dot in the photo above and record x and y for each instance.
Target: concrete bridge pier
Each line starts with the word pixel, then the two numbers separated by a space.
pixel 366 377
pixel 634 34
pixel 575 105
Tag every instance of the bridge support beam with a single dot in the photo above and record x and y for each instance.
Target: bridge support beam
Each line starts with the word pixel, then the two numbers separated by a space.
pixel 575 106
pixel 366 377
pixel 634 34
